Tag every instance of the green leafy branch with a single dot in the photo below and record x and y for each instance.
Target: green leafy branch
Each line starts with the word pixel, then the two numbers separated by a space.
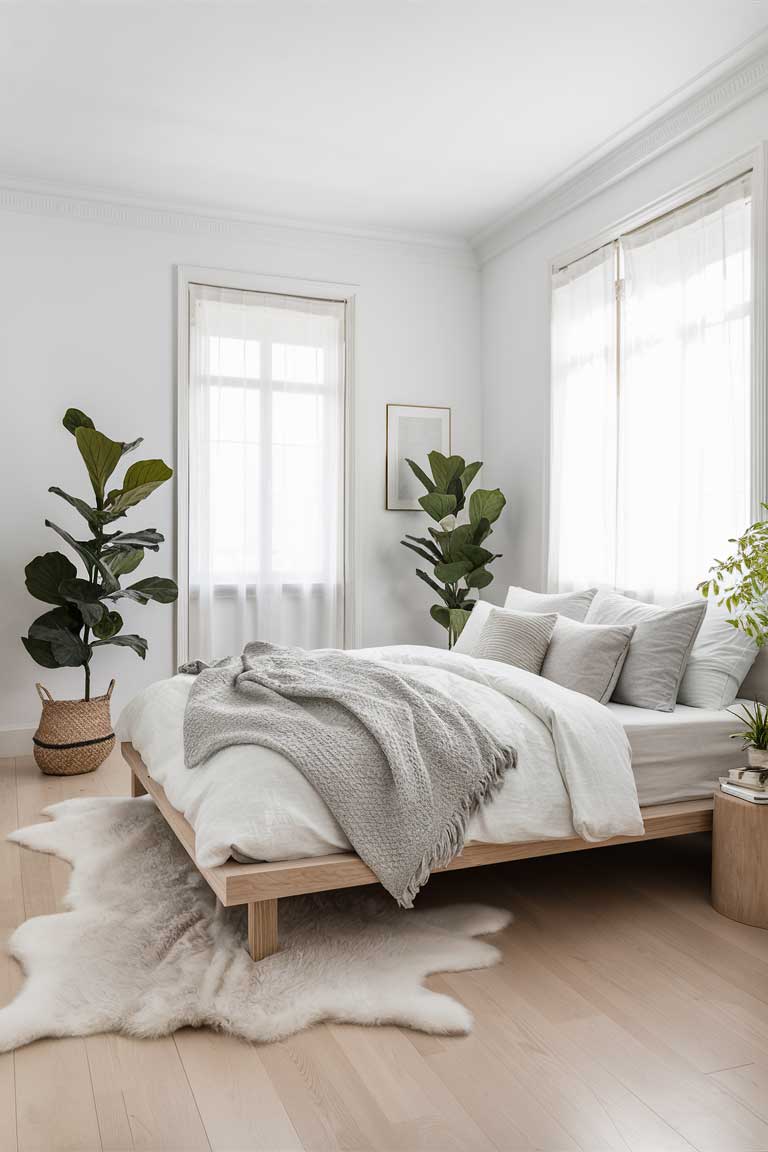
pixel 740 583
pixel 455 549
pixel 82 618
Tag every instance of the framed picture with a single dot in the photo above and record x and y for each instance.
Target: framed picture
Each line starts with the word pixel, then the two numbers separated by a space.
pixel 413 431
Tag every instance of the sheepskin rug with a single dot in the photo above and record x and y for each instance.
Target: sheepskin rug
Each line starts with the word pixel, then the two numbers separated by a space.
pixel 146 949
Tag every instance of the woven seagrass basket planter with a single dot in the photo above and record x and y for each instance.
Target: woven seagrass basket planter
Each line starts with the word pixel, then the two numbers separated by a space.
pixel 74 736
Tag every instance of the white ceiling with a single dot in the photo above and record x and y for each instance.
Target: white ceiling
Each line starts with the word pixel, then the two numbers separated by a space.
pixel 420 115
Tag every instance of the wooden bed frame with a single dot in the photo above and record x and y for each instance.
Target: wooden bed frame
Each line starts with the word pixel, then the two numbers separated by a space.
pixel 260 886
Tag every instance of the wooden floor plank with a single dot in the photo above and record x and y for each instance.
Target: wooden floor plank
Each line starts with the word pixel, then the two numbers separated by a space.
pixel 626 1015
pixel 239 1105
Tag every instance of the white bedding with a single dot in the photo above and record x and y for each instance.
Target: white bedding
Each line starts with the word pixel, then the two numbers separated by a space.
pixel 573 772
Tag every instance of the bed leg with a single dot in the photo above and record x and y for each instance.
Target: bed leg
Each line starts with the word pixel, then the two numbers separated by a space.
pixel 262 929
pixel 137 788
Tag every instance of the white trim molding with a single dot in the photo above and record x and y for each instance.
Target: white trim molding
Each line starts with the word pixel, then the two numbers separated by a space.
pixel 613 162
pixel 759 330
pixel 120 209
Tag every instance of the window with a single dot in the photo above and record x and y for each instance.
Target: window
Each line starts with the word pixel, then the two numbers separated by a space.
pixel 266 470
pixel 651 384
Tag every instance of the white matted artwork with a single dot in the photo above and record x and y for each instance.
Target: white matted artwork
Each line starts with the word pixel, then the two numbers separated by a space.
pixel 413 431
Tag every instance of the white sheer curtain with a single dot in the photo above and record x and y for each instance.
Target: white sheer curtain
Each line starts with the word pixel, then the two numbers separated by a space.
pixel 583 421
pixel 266 471
pixel 669 416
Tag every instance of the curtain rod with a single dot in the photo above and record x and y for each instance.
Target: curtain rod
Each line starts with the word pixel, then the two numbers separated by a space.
pixel 655 219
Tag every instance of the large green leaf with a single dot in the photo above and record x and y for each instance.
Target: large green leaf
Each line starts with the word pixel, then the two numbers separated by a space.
pixel 458 618
pixel 121 561
pixel 486 504
pixel 92 515
pixel 157 588
pixel 441 614
pixel 428 544
pixel 87 598
pixel 438 505
pixel 434 586
pixel 59 630
pixel 126 640
pixel 479 556
pixel 469 473
pixel 451 573
pixel 88 557
pixel 460 536
pixel 420 474
pixel 109 625
pixel 481 530
pixel 101 456
pixel 129 447
pixel 146 538
pixel 74 419
pixel 445 468
pixel 45 573
pixel 479 578
pixel 428 556
pixel 140 481
pixel 40 651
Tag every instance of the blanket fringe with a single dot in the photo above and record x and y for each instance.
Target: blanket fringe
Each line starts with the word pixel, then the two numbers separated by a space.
pixel 451 840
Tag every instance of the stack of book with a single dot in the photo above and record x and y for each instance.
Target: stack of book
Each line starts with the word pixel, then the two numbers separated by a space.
pixel 746 784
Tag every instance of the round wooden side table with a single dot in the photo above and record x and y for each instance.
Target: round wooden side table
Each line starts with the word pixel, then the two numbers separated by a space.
pixel 740 860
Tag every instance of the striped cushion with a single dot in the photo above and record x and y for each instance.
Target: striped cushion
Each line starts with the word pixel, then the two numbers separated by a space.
pixel 517 638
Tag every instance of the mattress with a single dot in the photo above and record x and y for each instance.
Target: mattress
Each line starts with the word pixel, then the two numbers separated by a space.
pixel 679 755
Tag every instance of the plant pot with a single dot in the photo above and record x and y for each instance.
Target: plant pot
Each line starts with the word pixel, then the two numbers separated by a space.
pixel 74 736
pixel 758 758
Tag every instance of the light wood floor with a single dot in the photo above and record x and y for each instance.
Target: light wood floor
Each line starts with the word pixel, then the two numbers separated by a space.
pixel 626 1015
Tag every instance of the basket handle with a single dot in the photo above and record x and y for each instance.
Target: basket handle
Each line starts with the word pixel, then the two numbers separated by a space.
pixel 109 690
pixel 42 689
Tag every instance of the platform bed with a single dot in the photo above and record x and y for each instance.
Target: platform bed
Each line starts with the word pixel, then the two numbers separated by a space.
pixel 260 886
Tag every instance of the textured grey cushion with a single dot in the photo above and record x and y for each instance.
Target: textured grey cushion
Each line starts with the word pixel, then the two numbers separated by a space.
pixel 720 659
pixel 574 605
pixel 755 685
pixel 658 651
pixel 517 638
pixel 587 657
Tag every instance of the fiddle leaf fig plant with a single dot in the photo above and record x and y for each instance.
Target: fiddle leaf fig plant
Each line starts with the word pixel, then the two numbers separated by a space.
pixel 83 616
pixel 455 548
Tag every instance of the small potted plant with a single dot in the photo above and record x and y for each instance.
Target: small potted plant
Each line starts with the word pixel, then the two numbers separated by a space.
pixel 75 736
pixel 754 737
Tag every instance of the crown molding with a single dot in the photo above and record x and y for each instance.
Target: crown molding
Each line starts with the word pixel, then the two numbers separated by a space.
pixel 747 78
pixel 99 206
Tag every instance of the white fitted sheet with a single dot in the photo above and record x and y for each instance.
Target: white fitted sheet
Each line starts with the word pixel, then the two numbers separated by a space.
pixel 679 755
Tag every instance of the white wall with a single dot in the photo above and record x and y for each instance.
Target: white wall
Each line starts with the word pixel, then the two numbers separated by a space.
pixel 89 319
pixel 515 320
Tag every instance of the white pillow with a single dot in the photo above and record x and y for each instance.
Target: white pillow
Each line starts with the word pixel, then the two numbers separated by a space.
pixel 517 638
pixel 658 651
pixel 470 633
pixel 574 605
pixel 587 658
pixel 720 659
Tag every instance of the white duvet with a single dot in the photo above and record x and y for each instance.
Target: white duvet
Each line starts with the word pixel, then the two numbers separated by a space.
pixel 573 772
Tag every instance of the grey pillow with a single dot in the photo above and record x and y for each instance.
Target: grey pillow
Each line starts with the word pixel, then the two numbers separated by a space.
pixel 658 651
pixel 517 638
pixel 470 633
pixel 574 605
pixel 587 658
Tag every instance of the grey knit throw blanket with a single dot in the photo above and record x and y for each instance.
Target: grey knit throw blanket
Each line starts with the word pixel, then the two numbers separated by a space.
pixel 401 766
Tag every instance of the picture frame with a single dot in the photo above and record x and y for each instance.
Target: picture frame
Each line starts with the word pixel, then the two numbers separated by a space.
pixel 413 431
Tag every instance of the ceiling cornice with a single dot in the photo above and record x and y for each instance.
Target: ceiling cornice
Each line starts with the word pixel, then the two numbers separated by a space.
pixel 93 205
pixel 725 91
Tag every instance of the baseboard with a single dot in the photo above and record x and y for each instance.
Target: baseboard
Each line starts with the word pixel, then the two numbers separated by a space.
pixel 16 741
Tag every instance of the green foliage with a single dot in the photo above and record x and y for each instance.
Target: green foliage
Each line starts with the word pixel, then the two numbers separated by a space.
pixel 82 620
pixel 754 734
pixel 740 583
pixel 454 551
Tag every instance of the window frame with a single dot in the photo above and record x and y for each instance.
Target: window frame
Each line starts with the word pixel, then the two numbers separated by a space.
pixel 754 161
pixel 347 294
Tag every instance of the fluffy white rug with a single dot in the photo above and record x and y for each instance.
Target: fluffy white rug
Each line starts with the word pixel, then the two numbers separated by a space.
pixel 146 949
